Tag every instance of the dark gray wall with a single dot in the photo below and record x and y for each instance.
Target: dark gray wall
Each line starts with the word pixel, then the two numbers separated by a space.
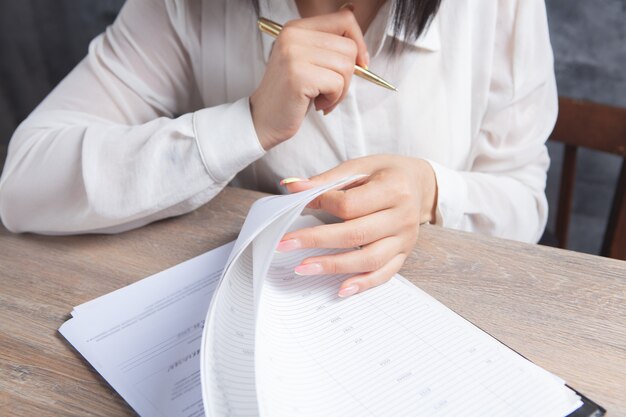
pixel 41 40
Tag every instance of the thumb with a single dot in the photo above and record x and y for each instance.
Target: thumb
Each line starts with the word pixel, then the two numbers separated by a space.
pixel 345 169
pixel 297 184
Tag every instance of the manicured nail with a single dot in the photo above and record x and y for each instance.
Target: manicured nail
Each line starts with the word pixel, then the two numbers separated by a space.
pixel 288 245
pixel 367 60
pixel 348 291
pixel 291 180
pixel 308 269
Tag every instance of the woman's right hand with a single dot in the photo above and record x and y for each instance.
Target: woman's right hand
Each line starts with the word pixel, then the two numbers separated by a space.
pixel 312 60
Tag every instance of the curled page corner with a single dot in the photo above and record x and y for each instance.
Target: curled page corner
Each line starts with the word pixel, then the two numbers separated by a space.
pixel 228 340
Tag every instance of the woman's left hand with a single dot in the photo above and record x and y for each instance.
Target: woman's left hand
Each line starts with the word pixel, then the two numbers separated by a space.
pixel 382 214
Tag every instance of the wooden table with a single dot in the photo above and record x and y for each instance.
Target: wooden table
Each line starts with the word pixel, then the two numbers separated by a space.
pixel 563 310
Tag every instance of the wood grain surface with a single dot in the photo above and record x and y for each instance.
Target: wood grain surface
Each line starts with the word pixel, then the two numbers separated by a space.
pixel 563 310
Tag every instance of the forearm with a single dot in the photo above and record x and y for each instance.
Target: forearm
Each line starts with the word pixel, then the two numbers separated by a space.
pixel 69 172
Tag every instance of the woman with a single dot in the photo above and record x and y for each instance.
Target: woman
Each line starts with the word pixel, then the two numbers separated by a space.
pixel 178 98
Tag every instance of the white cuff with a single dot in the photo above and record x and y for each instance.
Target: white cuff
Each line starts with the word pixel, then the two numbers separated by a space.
pixel 451 196
pixel 226 138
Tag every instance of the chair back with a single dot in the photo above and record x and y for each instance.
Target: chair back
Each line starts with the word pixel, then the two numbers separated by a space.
pixel 601 128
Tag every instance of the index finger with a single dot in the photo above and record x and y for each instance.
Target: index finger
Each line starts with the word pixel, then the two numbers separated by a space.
pixel 353 202
pixel 342 23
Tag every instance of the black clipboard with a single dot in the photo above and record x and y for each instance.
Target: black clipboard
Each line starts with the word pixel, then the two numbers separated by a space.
pixel 588 409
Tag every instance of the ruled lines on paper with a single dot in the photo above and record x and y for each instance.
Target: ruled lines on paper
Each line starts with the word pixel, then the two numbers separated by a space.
pixel 229 353
pixel 390 351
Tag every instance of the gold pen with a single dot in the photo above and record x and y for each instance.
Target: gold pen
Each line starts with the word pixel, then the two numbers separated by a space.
pixel 273 29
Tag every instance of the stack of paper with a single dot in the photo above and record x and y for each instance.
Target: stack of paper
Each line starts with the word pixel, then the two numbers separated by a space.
pixel 279 344
pixel 144 339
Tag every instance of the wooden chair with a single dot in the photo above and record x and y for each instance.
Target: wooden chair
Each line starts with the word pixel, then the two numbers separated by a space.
pixel 601 128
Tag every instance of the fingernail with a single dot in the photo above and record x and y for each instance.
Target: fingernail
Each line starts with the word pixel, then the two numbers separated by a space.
pixel 308 269
pixel 288 245
pixel 367 60
pixel 347 5
pixel 291 180
pixel 348 291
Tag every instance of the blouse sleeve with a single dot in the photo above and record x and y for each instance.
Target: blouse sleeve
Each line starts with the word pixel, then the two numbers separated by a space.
pixel 120 142
pixel 503 192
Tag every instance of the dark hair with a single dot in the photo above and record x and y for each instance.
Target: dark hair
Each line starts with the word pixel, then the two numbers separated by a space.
pixel 409 16
pixel 413 16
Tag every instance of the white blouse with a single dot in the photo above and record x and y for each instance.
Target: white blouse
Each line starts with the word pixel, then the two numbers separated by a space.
pixel 155 121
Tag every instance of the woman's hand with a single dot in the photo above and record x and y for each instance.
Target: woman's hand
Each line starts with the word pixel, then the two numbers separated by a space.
pixel 382 216
pixel 312 60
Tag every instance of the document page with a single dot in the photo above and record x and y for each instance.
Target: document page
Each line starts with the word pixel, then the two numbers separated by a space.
pixel 144 339
pixel 390 351
pixel 228 346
